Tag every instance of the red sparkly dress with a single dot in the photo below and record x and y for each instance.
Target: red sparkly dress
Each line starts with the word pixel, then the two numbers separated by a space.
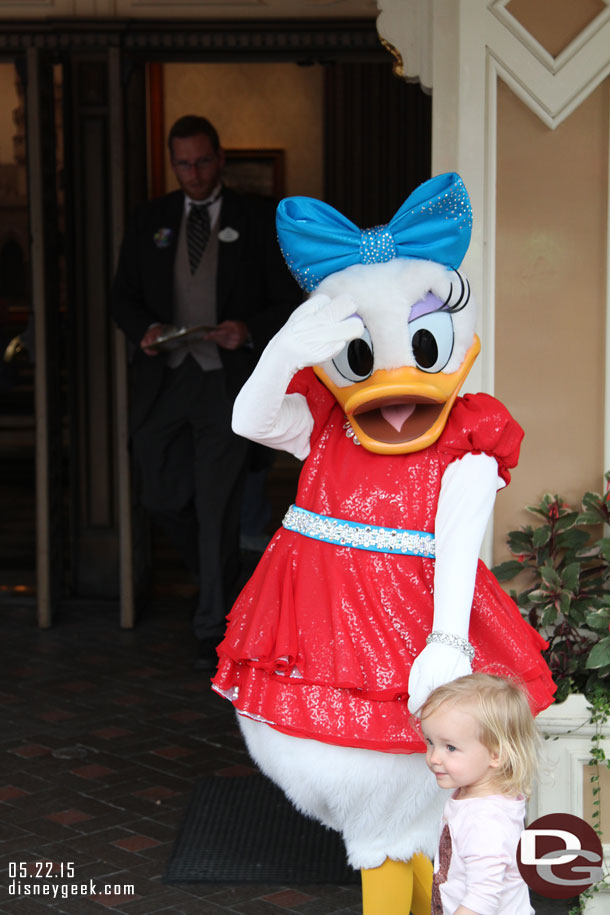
pixel 321 640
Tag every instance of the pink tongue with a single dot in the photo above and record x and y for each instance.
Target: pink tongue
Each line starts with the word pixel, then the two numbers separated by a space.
pixel 397 414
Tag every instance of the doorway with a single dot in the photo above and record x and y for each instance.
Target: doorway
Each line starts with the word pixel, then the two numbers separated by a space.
pixel 17 476
pixel 360 139
pixel 350 133
pixel 33 374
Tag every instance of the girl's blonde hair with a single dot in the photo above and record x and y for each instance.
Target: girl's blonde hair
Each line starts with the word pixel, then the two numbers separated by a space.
pixel 506 724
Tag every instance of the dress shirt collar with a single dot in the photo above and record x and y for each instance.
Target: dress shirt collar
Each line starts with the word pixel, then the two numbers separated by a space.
pixel 213 202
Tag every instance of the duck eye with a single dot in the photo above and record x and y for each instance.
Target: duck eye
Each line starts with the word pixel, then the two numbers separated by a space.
pixel 432 340
pixel 355 361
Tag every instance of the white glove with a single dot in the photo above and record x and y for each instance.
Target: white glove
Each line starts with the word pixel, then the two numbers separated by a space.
pixel 468 491
pixel 317 330
pixel 435 665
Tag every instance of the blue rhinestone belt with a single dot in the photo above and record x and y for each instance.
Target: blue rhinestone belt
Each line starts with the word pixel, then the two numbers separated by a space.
pixel 359 536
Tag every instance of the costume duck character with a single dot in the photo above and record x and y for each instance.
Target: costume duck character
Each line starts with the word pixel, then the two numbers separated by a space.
pixel 372 592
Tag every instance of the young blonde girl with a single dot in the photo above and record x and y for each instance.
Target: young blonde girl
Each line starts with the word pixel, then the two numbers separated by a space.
pixel 482 743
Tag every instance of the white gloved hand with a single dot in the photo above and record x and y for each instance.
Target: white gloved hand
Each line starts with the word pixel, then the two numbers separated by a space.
pixel 318 330
pixel 435 665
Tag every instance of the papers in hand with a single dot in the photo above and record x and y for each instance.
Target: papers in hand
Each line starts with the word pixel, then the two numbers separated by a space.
pixel 175 337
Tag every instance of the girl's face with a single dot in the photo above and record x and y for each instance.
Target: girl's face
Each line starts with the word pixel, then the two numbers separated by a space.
pixel 456 755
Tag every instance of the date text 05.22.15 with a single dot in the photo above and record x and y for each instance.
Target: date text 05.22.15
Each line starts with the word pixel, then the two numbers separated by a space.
pixel 41 870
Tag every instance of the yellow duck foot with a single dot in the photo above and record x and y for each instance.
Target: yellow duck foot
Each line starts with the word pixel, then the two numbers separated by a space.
pixel 398 887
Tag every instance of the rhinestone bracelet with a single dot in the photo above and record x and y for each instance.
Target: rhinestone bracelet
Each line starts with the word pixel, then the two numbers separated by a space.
pixel 454 641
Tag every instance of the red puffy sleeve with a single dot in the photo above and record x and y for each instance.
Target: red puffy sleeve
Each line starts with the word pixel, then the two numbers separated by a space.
pixel 319 399
pixel 480 424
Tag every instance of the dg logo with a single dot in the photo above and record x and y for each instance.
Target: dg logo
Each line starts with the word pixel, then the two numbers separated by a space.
pixel 560 856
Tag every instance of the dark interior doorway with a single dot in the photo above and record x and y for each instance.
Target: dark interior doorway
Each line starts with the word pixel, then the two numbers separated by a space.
pixel 376 139
pixel 17 472
pixel 376 148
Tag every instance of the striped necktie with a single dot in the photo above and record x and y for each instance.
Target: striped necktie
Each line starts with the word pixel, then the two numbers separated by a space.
pixel 197 233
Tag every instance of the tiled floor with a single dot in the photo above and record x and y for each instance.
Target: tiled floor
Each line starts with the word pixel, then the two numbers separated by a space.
pixel 104 733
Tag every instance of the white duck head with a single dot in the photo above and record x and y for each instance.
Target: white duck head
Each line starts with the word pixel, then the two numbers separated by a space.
pixel 397 381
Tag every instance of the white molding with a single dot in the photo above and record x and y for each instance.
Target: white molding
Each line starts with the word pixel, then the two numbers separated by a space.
pixel 552 87
pixel 473 43
pixel 606 455
pixel 499 9
pixel 560 785
pixel 408 27
pixel 489 220
pixel 565 717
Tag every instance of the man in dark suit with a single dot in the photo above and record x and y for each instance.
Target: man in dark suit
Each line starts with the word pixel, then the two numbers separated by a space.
pixel 202 255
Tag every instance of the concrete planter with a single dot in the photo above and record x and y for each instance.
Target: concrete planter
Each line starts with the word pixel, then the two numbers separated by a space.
pixel 563 787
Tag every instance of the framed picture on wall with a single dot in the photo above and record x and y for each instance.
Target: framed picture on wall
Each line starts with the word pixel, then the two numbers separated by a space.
pixel 255 171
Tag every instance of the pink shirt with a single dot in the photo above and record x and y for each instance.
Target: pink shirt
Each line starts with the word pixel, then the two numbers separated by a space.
pixel 476 863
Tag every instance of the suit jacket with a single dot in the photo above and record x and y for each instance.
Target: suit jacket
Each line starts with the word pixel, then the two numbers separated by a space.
pixel 253 285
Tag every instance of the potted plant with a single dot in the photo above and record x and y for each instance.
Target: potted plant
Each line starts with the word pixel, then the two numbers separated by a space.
pixel 564 564
pixel 563 568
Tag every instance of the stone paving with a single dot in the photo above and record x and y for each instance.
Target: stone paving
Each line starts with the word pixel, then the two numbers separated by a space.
pixel 104 733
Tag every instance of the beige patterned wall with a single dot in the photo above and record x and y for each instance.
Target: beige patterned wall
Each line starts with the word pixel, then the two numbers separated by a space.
pixel 261 105
pixel 552 210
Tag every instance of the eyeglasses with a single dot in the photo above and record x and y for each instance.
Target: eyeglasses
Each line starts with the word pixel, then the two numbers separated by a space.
pixel 183 166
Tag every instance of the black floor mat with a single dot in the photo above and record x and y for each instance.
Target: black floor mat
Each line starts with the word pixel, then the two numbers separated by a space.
pixel 243 830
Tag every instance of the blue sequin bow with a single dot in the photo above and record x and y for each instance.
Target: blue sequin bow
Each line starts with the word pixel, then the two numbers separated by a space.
pixel 433 223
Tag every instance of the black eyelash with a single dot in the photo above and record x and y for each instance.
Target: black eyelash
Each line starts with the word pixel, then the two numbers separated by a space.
pixel 463 298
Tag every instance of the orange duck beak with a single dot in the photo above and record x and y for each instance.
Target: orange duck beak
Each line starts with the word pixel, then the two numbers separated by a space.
pixel 397 411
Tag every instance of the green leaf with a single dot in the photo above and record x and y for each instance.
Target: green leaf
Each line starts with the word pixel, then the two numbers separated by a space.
pixel 588 517
pixel 542 509
pixel 599 620
pixel 593 500
pixel 520 541
pixel 571 666
pixel 604 546
pixel 565 602
pixel 550 576
pixel 589 556
pixel 595 688
pixel 522 599
pixel 571 576
pixel 600 655
pixel 564 688
pixel 507 570
pixel 549 616
pixel 542 535
pixel 578 611
pixel 566 521
pixel 572 540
